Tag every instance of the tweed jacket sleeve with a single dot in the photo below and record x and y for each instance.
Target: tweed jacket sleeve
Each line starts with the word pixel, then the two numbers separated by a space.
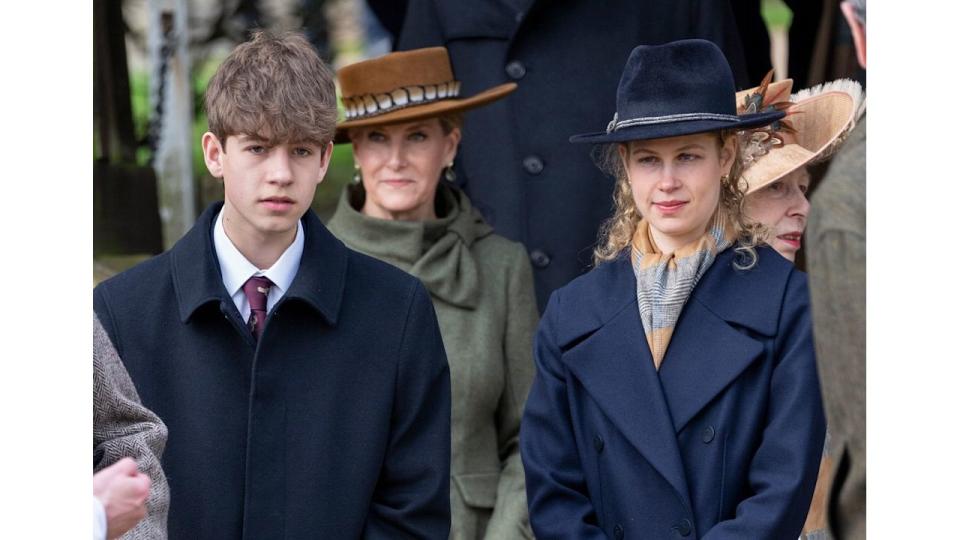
pixel 837 256
pixel 510 518
pixel 123 427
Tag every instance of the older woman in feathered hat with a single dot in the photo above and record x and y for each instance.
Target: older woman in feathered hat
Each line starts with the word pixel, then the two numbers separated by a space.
pixel 403 117
pixel 676 393
pixel 776 159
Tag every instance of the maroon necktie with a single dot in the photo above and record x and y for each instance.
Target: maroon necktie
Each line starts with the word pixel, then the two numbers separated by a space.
pixel 256 289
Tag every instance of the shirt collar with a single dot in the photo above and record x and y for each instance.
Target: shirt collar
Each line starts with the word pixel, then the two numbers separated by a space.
pixel 235 269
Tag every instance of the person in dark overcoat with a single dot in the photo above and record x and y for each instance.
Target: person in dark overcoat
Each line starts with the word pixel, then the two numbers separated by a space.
pixel 305 385
pixel 514 162
pixel 676 392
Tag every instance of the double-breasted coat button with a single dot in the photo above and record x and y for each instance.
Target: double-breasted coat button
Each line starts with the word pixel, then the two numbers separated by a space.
pixel 618 532
pixel 708 434
pixel 516 70
pixel 539 258
pixel 533 165
pixel 684 527
pixel 598 443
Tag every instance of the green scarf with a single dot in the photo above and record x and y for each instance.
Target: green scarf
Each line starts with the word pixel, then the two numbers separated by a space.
pixel 664 282
pixel 436 251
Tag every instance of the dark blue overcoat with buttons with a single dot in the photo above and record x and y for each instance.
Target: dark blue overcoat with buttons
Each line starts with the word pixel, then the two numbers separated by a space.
pixel 724 442
pixel 336 424
pixel 566 57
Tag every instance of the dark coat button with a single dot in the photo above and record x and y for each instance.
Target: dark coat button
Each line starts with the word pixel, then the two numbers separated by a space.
pixel 539 258
pixel 533 164
pixel 684 527
pixel 708 434
pixel 598 443
pixel 618 531
pixel 516 70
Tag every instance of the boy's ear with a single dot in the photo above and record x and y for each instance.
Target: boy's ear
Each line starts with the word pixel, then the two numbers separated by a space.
pixel 212 154
pixel 327 157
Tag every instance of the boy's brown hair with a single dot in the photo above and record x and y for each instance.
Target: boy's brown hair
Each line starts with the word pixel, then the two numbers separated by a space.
pixel 273 86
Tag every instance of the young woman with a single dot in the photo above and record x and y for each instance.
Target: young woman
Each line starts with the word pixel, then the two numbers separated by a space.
pixel 676 392
pixel 403 118
pixel 776 160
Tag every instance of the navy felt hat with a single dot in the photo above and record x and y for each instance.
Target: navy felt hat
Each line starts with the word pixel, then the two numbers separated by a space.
pixel 678 88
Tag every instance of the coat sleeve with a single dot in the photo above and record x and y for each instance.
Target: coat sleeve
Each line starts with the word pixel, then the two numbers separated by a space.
pixel 837 263
pixel 784 468
pixel 560 507
pixel 509 519
pixel 412 498
pixel 122 427
pixel 421 27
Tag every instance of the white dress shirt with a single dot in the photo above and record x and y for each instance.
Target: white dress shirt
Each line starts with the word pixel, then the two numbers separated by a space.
pixel 235 269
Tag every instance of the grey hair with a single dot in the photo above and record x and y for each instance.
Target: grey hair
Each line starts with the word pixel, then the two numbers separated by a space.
pixel 860 9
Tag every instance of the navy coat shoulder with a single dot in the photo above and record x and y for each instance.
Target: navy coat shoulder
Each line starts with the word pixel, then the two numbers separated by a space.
pixel 336 424
pixel 724 442
pixel 566 56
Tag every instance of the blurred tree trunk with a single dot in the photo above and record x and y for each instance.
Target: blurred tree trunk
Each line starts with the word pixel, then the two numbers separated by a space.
pixel 172 122
pixel 111 90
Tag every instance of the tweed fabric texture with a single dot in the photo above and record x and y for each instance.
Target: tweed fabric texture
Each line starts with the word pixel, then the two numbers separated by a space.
pixel 664 281
pixel 122 427
pixel 837 243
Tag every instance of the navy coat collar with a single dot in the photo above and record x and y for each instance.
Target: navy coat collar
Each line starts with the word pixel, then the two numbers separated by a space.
pixel 719 334
pixel 319 282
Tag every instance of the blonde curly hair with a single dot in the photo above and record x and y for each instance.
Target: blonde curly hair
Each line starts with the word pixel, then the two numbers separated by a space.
pixel 616 234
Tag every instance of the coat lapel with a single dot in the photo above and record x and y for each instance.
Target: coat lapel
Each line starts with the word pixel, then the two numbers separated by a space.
pixel 704 356
pixel 616 368
pixel 712 344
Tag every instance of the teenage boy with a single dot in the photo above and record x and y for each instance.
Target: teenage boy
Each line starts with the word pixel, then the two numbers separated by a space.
pixel 305 386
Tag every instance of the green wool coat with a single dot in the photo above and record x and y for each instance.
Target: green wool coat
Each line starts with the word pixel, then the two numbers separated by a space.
pixel 482 289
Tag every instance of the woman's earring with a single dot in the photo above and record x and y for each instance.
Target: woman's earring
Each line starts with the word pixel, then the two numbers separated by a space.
pixel 724 178
pixel 357 178
pixel 449 174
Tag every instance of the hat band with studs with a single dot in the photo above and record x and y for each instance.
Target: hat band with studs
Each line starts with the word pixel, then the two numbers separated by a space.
pixel 615 124
pixel 367 105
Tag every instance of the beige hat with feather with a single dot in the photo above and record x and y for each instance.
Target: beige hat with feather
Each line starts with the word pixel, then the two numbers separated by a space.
pixel 818 120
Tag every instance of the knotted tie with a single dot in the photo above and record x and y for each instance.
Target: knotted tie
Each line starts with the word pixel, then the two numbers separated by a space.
pixel 256 289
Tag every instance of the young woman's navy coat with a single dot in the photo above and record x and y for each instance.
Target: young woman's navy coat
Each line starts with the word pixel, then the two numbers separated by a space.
pixel 724 442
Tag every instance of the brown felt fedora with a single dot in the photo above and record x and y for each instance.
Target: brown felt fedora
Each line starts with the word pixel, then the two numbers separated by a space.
pixel 818 120
pixel 404 86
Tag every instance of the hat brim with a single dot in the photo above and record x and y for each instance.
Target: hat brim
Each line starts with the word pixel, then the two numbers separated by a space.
pixel 429 110
pixel 819 121
pixel 677 128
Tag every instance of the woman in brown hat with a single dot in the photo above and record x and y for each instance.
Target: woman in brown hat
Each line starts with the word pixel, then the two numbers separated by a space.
pixel 403 117
pixel 776 159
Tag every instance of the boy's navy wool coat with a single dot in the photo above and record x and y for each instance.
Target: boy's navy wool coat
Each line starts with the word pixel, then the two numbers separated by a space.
pixel 336 424
pixel 724 442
